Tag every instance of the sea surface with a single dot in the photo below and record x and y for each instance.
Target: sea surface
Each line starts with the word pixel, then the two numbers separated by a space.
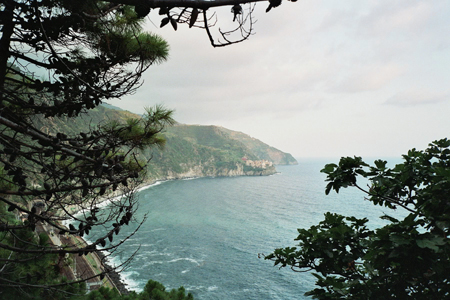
pixel 206 234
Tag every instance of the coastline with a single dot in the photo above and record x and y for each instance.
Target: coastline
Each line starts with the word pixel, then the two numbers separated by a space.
pixel 116 278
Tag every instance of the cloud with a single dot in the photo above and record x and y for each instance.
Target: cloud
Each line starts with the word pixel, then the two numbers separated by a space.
pixel 321 68
pixel 369 78
pixel 415 97
pixel 400 15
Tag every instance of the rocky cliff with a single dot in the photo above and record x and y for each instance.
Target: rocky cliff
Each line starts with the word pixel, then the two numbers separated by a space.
pixel 191 150
pixel 208 171
pixel 199 151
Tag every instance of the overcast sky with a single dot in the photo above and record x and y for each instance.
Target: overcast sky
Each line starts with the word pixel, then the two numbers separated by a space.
pixel 318 79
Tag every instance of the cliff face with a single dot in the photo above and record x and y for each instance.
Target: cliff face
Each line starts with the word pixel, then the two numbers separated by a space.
pixel 199 151
pixel 191 150
pixel 207 171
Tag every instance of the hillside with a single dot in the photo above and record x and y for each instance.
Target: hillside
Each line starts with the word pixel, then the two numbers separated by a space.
pixel 191 150
pixel 260 149
pixel 195 151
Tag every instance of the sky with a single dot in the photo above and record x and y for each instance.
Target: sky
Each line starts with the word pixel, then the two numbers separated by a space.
pixel 317 79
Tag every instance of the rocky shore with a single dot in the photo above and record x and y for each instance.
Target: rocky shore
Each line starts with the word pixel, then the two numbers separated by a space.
pixel 114 275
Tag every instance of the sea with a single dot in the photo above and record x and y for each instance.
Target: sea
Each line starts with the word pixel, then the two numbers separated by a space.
pixel 209 235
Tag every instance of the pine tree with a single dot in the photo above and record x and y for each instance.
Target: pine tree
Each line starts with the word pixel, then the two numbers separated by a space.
pixel 59 59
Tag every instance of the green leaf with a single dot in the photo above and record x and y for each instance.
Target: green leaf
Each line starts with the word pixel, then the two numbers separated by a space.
pixel 432 243
pixel 329 168
pixel 381 164
pixel 318 276
pixel 399 239
pixel 328 188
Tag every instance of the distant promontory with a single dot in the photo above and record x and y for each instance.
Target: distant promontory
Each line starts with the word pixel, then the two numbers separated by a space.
pixel 190 150
pixel 200 151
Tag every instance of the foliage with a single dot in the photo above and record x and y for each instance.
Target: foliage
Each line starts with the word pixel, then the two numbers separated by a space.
pixel 156 291
pixel 184 153
pixel 260 149
pixel 208 149
pixel 33 269
pixel 58 60
pixel 153 291
pixel 406 259
pixel 212 147
pixel 202 14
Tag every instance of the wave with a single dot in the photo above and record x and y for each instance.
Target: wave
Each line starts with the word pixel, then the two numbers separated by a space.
pixel 150 185
pixel 190 178
pixel 186 259
pixel 175 260
pixel 205 234
pixel 201 288
pixel 133 285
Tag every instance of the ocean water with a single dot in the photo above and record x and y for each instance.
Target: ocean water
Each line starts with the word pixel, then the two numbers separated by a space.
pixel 205 234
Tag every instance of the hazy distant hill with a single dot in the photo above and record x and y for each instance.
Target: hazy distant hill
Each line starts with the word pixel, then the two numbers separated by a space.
pixel 195 150
pixel 260 149
pixel 95 117
pixel 191 150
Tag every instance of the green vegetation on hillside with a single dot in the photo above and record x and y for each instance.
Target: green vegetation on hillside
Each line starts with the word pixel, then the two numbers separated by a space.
pixel 61 153
pixel 190 150
pixel 189 147
pixel 60 60
pixel 260 149
pixel 35 271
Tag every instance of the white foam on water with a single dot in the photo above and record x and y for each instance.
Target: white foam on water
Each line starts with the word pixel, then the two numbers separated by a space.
pixel 150 185
pixel 126 276
pixel 185 258
pixel 153 262
pixel 201 288
pixel 190 178
pixel 130 283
